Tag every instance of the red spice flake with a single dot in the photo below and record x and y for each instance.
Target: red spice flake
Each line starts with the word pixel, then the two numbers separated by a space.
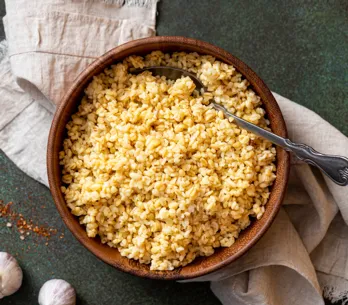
pixel 24 225
pixel 28 226
pixel 5 210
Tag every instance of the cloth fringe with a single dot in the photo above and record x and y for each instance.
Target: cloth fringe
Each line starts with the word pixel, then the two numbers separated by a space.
pixel 138 3
pixel 3 49
pixel 335 289
pixel 333 295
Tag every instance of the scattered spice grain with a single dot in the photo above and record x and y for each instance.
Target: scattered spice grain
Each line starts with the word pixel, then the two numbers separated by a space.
pixel 24 226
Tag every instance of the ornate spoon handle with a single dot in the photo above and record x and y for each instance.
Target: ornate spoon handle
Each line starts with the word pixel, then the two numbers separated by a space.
pixel 335 167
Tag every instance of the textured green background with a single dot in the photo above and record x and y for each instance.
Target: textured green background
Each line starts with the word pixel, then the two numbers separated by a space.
pixel 299 48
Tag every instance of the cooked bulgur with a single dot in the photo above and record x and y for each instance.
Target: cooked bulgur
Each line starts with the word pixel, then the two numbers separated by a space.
pixel 157 173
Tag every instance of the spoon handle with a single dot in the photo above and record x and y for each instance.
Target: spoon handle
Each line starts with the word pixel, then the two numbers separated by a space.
pixel 335 167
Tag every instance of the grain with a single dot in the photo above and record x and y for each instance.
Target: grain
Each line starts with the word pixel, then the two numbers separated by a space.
pixel 157 173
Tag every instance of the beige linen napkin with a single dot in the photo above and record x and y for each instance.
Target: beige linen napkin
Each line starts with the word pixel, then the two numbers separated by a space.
pixel 50 41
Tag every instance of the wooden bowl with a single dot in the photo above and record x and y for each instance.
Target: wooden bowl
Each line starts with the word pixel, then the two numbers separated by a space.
pixel 68 105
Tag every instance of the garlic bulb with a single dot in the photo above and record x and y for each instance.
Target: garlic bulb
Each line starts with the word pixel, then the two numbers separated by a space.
pixel 11 275
pixel 57 292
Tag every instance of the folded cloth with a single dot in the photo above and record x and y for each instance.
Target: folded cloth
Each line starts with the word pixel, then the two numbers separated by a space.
pixel 49 42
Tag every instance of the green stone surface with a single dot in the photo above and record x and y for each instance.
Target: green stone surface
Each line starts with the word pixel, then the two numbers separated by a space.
pixel 299 48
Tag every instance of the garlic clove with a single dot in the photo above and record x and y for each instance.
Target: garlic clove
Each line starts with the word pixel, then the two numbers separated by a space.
pixel 11 275
pixel 57 292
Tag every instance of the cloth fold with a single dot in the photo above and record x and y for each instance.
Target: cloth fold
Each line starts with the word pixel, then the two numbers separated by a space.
pixel 49 42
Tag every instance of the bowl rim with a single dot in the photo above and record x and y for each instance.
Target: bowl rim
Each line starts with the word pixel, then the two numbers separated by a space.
pixel 257 84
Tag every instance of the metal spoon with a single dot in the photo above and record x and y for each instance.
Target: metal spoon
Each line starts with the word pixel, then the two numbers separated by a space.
pixel 335 167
